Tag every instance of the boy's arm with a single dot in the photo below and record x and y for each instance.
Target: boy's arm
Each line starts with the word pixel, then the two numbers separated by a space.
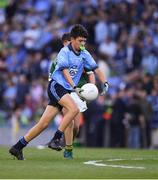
pixel 100 75
pixel 91 65
pixel 71 82
pixel 68 78
pixel 103 79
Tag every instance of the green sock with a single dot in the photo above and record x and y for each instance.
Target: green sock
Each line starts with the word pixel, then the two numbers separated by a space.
pixel 69 148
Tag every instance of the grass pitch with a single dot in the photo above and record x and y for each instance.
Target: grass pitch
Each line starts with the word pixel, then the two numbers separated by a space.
pixel 100 164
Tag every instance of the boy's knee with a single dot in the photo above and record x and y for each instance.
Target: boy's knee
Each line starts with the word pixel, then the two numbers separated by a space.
pixel 75 110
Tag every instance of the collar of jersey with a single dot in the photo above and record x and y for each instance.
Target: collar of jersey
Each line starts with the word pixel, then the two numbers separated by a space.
pixel 71 49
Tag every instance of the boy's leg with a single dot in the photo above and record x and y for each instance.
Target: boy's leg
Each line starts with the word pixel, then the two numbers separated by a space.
pixel 76 125
pixel 72 131
pixel 82 105
pixel 46 118
pixel 70 134
pixel 71 111
pixel 69 141
pixel 48 115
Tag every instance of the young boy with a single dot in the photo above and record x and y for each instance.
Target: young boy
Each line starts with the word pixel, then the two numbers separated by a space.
pixel 71 62
pixel 73 128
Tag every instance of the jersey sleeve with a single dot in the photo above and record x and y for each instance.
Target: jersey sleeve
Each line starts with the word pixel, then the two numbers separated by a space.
pixel 62 60
pixel 90 64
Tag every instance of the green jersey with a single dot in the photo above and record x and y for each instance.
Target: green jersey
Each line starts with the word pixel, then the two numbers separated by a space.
pixel 83 80
pixel 51 69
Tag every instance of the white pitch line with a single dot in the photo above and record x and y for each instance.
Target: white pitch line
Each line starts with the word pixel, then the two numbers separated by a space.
pixel 134 159
pixel 97 163
pixel 119 159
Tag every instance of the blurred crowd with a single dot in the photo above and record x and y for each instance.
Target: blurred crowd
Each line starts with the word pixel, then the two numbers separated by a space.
pixel 123 39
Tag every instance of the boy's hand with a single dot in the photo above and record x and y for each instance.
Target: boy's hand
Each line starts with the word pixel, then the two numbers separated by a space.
pixel 78 91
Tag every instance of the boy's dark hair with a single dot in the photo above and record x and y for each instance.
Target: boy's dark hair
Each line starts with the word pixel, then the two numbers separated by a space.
pixel 66 37
pixel 78 31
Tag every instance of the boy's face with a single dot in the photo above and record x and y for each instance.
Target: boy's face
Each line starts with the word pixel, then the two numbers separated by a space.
pixel 78 42
pixel 66 42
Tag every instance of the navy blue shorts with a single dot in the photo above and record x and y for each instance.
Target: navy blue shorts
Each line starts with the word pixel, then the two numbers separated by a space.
pixel 55 93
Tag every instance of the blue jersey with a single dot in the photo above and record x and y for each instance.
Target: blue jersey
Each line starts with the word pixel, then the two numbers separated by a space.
pixel 76 63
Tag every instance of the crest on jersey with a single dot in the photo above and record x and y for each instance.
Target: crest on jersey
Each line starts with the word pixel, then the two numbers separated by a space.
pixel 73 70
